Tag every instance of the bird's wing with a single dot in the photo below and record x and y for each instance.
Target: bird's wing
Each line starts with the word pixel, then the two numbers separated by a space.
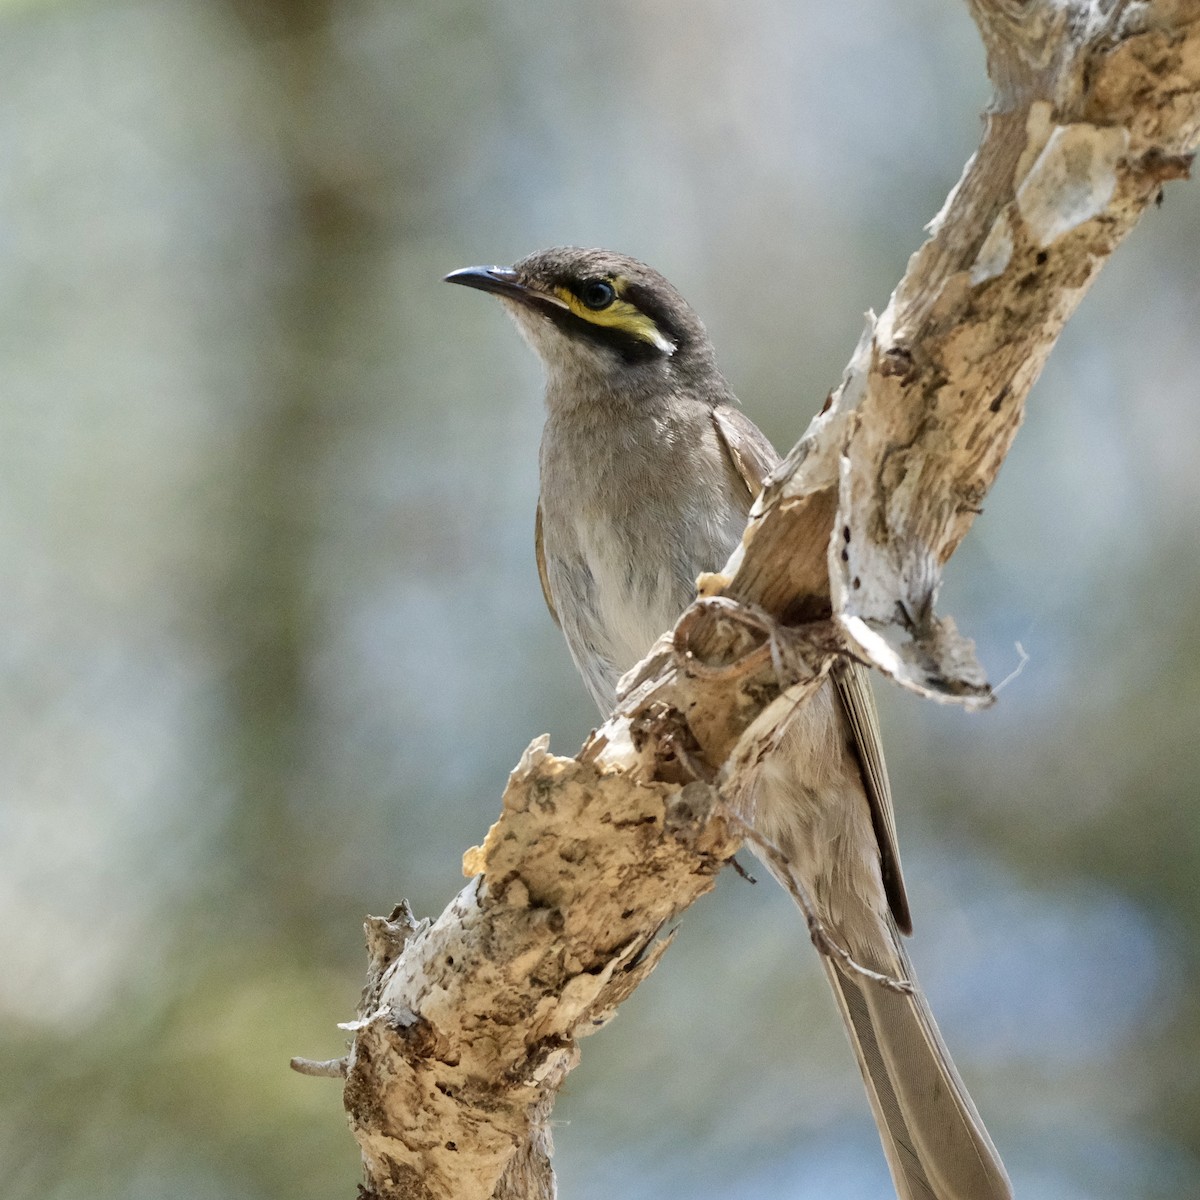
pixel 543 577
pixel 750 453
pixel 754 458
pixel 853 685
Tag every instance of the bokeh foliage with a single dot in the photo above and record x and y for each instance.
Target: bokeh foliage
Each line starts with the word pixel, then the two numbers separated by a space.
pixel 272 634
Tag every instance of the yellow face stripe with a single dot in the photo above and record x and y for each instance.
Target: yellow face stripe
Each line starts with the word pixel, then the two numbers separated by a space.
pixel 620 314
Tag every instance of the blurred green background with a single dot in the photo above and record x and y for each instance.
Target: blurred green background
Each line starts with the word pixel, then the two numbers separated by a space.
pixel 272 635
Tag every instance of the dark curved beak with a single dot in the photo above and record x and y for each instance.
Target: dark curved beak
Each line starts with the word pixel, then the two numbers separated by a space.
pixel 503 281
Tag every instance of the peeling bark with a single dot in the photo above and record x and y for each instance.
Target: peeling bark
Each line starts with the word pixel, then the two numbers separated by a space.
pixel 470 1024
pixel 468 1031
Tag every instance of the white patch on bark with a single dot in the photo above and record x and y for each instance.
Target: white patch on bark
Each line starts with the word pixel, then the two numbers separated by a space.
pixel 1072 180
pixel 994 254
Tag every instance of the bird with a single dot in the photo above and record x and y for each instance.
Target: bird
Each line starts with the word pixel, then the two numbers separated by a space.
pixel 648 469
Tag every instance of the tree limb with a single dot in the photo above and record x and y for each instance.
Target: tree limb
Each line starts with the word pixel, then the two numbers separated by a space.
pixel 469 1025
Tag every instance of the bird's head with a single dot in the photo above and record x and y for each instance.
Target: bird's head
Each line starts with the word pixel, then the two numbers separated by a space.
pixel 595 317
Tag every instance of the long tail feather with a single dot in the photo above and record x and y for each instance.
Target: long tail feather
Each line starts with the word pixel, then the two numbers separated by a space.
pixel 831 844
pixel 936 1144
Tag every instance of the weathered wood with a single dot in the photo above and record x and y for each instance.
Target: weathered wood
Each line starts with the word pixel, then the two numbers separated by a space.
pixel 470 1024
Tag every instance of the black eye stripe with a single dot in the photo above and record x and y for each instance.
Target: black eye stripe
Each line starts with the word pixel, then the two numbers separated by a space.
pixel 643 299
pixel 632 349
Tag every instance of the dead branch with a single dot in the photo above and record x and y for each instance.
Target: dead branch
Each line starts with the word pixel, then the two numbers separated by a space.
pixel 469 1024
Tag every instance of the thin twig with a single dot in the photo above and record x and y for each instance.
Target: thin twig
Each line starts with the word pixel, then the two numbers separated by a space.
pixel 737 866
pixel 330 1068
pixel 1022 660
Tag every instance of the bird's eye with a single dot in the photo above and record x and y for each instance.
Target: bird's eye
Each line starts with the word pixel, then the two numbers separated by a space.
pixel 597 293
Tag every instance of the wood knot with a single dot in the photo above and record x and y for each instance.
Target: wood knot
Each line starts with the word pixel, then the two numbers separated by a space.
pixel 690 807
pixel 719 636
pixel 678 757
pixel 898 363
pixel 1160 167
